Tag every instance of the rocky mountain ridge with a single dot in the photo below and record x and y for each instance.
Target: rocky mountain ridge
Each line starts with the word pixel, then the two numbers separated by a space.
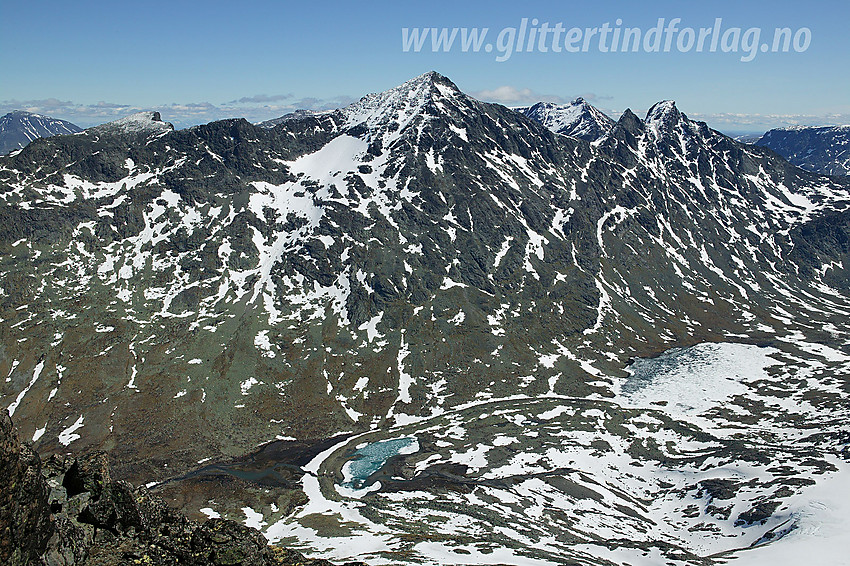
pixel 823 149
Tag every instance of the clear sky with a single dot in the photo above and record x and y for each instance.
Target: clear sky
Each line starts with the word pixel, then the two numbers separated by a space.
pixel 91 62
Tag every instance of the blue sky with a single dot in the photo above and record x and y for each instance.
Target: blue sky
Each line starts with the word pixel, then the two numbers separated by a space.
pixel 90 62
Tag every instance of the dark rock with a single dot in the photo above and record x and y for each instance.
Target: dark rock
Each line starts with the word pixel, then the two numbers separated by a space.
pixel 25 525
pixel 71 512
pixel 758 514
pixel 820 149
pixel 225 543
pixel 89 475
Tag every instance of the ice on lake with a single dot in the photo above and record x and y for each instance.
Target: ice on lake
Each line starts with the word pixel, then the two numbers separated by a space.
pixel 689 381
pixel 370 458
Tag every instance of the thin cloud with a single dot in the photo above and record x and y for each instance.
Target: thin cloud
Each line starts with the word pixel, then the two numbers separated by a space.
pixel 46 103
pixel 103 104
pixel 318 104
pixel 513 96
pixel 730 120
pixel 260 98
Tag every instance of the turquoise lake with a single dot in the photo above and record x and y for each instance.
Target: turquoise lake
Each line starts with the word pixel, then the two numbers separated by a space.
pixel 371 458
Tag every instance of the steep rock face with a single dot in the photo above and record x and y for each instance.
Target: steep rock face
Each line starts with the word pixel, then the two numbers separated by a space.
pixel 25 525
pixel 70 511
pixel 824 149
pixel 19 128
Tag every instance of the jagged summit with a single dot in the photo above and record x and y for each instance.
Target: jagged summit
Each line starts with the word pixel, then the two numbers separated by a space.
pixel 578 118
pixel 628 128
pixel 140 122
pixel 428 94
pixel 663 117
pixel 661 109
pixel 389 113
pixel 630 120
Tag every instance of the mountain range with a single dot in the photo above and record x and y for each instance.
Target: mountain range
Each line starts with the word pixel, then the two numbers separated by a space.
pixel 18 128
pixel 823 149
pixel 234 311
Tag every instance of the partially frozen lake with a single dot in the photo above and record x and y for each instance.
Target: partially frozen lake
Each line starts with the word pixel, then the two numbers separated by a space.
pixel 689 381
pixel 370 458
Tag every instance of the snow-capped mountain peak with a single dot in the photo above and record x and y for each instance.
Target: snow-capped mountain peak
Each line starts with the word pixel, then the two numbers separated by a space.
pixel 578 119
pixel 663 117
pixel 389 114
pixel 140 122
pixel 392 111
pixel 18 128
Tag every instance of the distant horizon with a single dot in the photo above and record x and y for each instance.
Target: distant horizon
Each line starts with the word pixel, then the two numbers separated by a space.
pixel 738 67
pixel 255 116
pixel 184 127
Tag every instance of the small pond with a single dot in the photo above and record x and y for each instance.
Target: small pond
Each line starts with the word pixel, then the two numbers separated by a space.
pixel 370 458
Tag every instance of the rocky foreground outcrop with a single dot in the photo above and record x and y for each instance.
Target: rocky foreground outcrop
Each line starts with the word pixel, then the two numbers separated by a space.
pixel 70 511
